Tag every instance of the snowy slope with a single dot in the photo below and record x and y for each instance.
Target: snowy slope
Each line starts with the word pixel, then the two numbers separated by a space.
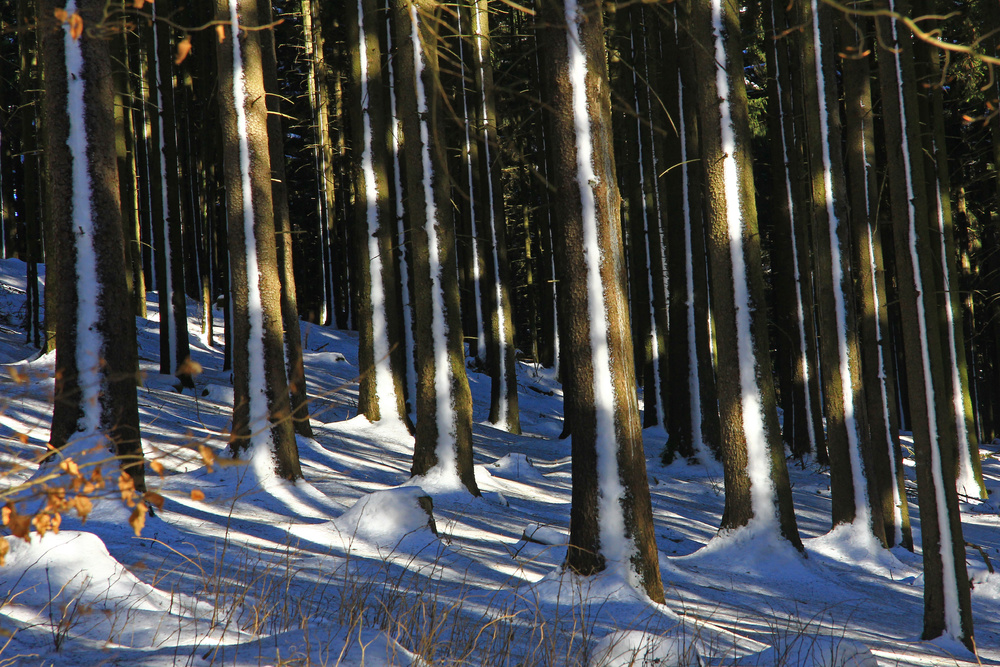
pixel 344 569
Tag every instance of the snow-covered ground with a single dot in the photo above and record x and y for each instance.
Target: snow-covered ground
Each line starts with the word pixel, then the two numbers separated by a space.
pixel 343 569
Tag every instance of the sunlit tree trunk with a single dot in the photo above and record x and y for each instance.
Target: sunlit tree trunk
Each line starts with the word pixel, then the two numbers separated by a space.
pixel 848 441
pixel 96 357
pixel 262 425
pixel 756 479
pixel 295 367
pixel 443 448
pixel 947 596
pixel 381 343
pixel 611 517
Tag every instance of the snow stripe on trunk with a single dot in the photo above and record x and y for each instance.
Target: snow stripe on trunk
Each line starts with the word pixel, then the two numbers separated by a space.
pixel 614 544
pixel 952 614
pixel 758 455
pixel 89 341
pixel 385 392
pixel 862 511
pixel 261 440
pixel 447 436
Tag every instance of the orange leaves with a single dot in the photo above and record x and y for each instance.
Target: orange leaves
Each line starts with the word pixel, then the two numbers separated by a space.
pixel 138 518
pixel 75 26
pixel 183 49
pixel 221 32
pixel 207 455
pixel 75 22
pixel 19 524
pixel 197 494
pixel 154 499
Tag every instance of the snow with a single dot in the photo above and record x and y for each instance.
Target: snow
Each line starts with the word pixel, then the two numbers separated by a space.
pixel 615 546
pixel 758 458
pixel 385 387
pixel 89 342
pixel 343 565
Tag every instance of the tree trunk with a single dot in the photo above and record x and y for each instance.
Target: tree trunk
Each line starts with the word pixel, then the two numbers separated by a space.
pixel 443 448
pixel 947 597
pixel 96 357
pixel 381 341
pixel 611 516
pixel 756 479
pixel 261 413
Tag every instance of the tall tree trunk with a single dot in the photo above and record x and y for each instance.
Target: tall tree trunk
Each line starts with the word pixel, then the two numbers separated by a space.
pixel 31 136
pixel 262 425
pixel 495 285
pixel 96 357
pixel 381 341
pixel 849 443
pixel 756 479
pixel 696 264
pixel 969 471
pixel 443 448
pixel 797 370
pixel 174 347
pixel 611 516
pixel 295 367
pixel 886 480
pixel 947 596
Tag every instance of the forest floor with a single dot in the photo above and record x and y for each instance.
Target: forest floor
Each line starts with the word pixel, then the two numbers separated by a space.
pixel 342 569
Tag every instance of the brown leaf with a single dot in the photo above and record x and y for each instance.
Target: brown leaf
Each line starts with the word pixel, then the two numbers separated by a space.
pixel 4 548
pixel 189 366
pixel 154 499
pixel 8 512
pixel 23 437
pixel 127 487
pixel 61 14
pixel 42 523
pixel 221 32
pixel 70 466
pixel 75 26
pixel 83 506
pixel 138 518
pixel 197 494
pixel 157 467
pixel 207 455
pixel 17 376
pixel 20 526
pixel 137 4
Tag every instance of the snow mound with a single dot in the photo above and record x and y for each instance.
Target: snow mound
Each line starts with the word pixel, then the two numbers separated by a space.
pixel 384 518
pixel 70 581
pixel 517 467
pixel 634 648
pixel 218 393
pixel 544 535
pixel 816 652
